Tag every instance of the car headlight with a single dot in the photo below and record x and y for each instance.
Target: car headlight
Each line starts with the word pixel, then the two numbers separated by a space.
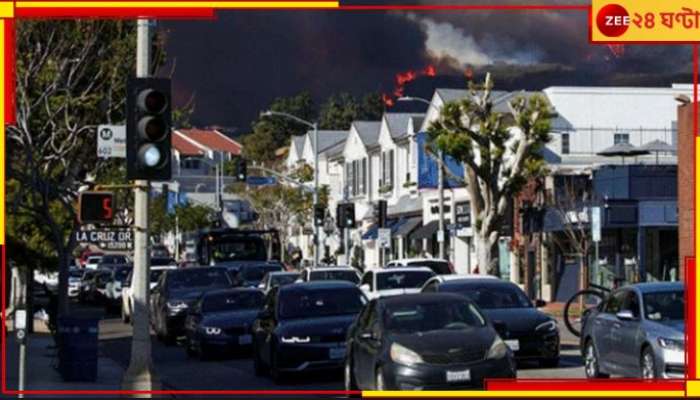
pixel 498 349
pixel 176 305
pixel 212 330
pixel 672 344
pixel 548 326
pixel 296 339
pixel 403 355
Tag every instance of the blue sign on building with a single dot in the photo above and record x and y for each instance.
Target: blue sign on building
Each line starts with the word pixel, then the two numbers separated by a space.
pixel 428 167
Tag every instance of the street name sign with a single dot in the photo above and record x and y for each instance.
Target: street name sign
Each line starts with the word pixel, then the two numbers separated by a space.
pixel 107 239
pixel 384 237
pixel 595 223
pixel 111 141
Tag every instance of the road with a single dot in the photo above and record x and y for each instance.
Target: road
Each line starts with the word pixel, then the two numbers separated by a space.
pixel 179 372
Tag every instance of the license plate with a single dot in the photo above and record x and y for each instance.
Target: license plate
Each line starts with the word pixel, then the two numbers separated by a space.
pixel 513 344
pixel 457 376
pixel 245 339
pixel 336 353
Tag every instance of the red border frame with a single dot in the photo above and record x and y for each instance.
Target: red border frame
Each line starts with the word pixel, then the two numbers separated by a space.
pixel 209 13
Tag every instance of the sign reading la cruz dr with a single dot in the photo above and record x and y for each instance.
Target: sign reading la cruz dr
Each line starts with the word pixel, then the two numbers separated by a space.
pixel 635 21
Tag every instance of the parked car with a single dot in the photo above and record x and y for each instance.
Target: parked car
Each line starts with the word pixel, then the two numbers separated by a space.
pixel 74 277
pixel 439 266
pixel 49 280
pixel 93 262
pixel 85 255
pixel 127 294
pixel 639 331
pixel 113 288
pixel 439 279
pixel 339 273
pixel 109 261
pixel 279 278
pixel 94 285
pixel 251 275
pixel 303 325
pixel 424 342
pixel 176 291
pixel 394 281
pixel 530 333
pixel 221 320
pixel 162 261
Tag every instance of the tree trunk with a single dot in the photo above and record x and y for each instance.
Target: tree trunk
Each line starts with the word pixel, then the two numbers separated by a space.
pixel 485 259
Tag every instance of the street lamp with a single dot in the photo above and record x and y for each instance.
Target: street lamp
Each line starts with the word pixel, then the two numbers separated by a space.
pixel 441 182
pixel 314 126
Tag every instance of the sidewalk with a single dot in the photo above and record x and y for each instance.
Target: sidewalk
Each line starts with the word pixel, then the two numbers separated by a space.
pixel 42 376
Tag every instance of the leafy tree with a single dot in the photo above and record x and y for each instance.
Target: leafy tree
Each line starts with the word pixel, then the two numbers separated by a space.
pixel 192 217
pixel 71 76
pixel 500 152
pixel 371 107
pixel 338 112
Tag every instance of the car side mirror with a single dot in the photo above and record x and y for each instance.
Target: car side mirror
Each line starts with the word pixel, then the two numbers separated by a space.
pixel 365 287
pixel 540 303
pixel 625 315
pixel 500 328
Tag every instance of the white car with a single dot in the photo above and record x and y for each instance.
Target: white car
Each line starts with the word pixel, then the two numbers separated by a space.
pixel 93 262
pixel 438 265
pixel 438 279
pixel 127 297
pixel 113 288
pixel 338 273
pixel 74 282
pixel 394 281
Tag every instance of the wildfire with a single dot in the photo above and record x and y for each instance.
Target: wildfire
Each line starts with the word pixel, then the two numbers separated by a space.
pixel 403 78
pixel 469 73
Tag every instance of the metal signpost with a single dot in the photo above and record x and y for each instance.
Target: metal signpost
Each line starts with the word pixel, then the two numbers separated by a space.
pixel 21 332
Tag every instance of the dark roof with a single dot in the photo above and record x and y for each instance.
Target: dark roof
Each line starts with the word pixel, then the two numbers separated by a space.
pixel 398 123
pixel 368 131
pixel 327 139
pixel 419 298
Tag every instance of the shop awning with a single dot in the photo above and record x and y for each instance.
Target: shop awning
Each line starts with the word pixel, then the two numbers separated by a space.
pixel 408 226
pixel 372 232
pixel 426 231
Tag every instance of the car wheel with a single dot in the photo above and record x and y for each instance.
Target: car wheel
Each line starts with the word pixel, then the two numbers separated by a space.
pixel 350 383
pixel 648 367
pixel 591 361
pixel 379 383
pixel 549 362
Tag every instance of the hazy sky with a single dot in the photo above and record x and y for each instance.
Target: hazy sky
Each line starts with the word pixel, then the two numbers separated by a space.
pixel 235 65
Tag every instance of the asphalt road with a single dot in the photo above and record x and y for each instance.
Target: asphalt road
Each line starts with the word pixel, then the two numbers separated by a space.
pixel 177 371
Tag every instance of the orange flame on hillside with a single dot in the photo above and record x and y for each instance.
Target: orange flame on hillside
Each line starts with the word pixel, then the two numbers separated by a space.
pixel 403 78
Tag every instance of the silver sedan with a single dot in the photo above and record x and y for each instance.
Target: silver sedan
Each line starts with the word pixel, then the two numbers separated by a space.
pixel 638 331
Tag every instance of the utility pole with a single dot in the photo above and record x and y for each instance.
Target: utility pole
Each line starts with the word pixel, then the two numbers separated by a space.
pixel 316 196
pixel 140 374
pixel 441 203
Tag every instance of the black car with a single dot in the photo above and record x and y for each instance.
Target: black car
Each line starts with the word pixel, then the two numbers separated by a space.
pixel 303 326
pixel 530 333
pixel 424 342
pixel 221 321
pixel 94 285
pixel 251 275
pixel 110 261
pixel 176 291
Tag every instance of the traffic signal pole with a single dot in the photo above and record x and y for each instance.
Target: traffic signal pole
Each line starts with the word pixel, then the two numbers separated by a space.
pixel 140 374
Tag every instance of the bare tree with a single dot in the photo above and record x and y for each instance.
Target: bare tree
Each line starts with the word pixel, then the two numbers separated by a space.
pixel 499 151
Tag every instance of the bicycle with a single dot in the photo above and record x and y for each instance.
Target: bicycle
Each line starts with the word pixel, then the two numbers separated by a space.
pixel 582 302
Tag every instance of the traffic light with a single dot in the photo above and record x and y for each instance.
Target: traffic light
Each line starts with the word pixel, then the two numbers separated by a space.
pixel 381 213
pixel 148 125
pixel 242 170
pixel 96 207
pixel 345 215
pixel 319 215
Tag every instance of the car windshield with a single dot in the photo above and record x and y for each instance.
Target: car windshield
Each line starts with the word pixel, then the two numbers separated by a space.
pixel 75 273
pixel 337 275
pixel 113 259
pixel 256 273
pixel 664 306
pixel 94 260
pixel 161 261
pixel 155 274
pixel 425 317
pixel 492 296
pixel 307 303
pixel 402 280
pixel 239 249
pixel 120 274
pixel 439 267
pixel 281 280
pixel 232 301
pixel 198 277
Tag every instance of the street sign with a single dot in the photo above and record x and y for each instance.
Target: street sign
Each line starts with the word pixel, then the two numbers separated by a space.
pixel 261 180
pixel 21 324
pixel 111 141
pixel 595 223
pixel 384 237
pixel 440 236
pixel 107 239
